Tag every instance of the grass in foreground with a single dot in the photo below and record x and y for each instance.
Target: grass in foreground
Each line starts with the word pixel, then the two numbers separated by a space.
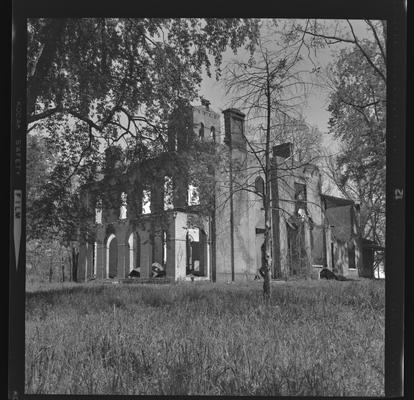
pixel 314 338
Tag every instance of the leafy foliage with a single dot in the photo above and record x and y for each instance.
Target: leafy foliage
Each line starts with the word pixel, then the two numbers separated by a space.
pixel 358 119
pixel 357 81
pixel 96 82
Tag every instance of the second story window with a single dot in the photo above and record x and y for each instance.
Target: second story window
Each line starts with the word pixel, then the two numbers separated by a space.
pixel 123 209
pixel 98 211
pixel 259 188
pixel 168 193
pixel 146 201
pixel 300 199
pixel 259 185
pixel 193 196
pixel 201 131
pixel 213 134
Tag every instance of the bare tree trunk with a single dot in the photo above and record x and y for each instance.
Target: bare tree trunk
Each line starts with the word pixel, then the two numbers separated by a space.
pixel 75 258
pixel 267 234
pixel 68 260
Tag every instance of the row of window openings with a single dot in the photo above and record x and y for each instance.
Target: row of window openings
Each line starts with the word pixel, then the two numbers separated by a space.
pixel 300 195
pixel 212 132
pixel 133 261
pixel 192 199
pixel 201 134
pixel 193 235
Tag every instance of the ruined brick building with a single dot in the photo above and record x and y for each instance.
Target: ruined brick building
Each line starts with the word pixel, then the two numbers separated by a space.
pixel 157 220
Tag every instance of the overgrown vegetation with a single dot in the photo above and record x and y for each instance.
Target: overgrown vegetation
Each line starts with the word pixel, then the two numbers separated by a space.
pixel 312 338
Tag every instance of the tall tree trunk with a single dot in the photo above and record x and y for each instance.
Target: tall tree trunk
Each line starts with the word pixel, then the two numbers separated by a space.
pixel 75 259
pixel 267 233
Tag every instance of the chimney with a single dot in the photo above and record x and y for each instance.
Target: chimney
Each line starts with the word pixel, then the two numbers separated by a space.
pixel 284 150
pixel 234 128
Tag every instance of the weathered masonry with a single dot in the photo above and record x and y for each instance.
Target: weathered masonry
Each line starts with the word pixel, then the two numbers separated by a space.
pixel 150 214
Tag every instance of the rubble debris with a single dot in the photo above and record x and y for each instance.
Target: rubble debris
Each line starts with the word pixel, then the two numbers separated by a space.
pixel 328 274
pixel 158 270
pixel 135 273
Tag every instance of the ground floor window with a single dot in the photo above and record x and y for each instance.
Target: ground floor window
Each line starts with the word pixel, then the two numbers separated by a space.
pixel 196 252
pixel 134 244
pixel 351 255
pixel 111 256
pixel 297 256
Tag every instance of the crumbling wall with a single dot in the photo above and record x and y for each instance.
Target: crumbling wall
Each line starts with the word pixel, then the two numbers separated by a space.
pixel 209 119
pixel 289 175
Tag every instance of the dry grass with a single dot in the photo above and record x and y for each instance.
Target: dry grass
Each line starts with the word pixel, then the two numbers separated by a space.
pixel 313 338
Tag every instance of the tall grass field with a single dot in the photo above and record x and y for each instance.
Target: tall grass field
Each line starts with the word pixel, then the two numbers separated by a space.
pixel 316 338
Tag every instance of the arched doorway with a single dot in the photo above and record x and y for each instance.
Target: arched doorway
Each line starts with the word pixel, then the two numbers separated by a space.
pixel 297 256
pixel 134 244
pixel 111 256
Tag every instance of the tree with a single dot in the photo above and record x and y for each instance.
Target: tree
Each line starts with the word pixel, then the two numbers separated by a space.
pixel 95 82
pixel 266 87
pixel 357 83
pixel 316 34
pixel 306 139
pixel 358 119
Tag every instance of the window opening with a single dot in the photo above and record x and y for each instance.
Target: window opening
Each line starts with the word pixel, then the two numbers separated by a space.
pixel 351 255
pixel 98 211
pixel 146 201
pixel 213 133
pixel 193 196
pixel 168 193
pixel 123 209
pixel 300 199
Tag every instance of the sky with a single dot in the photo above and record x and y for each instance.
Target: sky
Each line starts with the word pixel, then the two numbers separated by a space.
pixel 315 110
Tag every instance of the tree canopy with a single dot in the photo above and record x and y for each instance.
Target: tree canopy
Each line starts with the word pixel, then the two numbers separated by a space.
pixel 358 119
pixel 94 82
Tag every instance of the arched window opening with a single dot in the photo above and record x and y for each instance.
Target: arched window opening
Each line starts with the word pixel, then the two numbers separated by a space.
pixel 259 185
pixel 146 201
pixel 123 209
pixel 111 256
pixel 98 211
pixel 300 199
pixel 168 193
pixel 134 244
pixel 213 133
pixel 201 131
